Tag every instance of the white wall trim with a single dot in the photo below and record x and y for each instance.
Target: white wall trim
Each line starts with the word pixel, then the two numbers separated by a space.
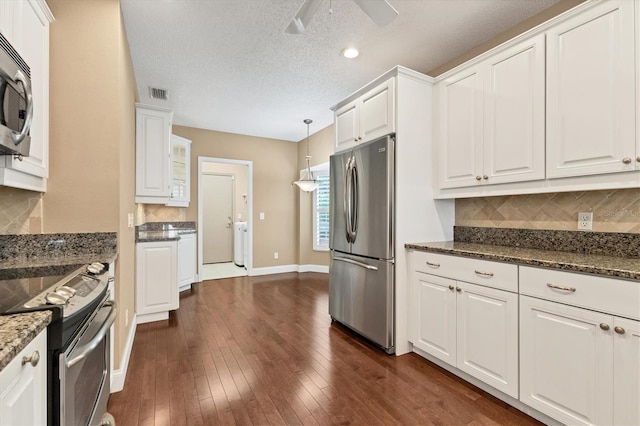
pixel 118 376
pixel 273 270
pixel 313 268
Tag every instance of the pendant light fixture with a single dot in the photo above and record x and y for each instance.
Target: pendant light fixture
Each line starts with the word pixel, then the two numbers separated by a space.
pixel 307 183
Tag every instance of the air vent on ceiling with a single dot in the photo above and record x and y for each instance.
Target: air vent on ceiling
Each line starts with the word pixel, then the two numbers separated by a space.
pixel 157 93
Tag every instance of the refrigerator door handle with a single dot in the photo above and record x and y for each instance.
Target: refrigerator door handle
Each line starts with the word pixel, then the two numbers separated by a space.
pixel 356 200
pixel 355 262
pixel 347 201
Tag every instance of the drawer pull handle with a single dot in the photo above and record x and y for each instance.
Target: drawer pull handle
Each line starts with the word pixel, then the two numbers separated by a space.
pixel 484 274
pixel 433 265
pixel 451 287
pixel 618 330
pixel 604 326
pixel 34 359
pixel 560 287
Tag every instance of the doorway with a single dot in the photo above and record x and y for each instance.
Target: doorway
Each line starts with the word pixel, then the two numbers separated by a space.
pixel 225 200
pixel 217 215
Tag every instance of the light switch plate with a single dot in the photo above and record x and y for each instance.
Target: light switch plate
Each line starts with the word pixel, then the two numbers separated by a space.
pixel 261 215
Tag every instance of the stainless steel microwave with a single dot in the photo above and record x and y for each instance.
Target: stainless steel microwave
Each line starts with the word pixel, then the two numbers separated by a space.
pixel 16 103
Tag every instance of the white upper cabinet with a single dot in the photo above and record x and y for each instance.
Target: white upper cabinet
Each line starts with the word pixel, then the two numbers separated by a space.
pixel 369 116
pixel 26 25
pixel 591 92
pixel 153 154
pixel 491 119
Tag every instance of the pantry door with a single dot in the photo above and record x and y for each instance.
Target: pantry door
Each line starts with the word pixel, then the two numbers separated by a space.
pixel 217 216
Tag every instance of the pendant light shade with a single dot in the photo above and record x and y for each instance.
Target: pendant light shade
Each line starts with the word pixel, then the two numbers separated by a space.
pixel 307 183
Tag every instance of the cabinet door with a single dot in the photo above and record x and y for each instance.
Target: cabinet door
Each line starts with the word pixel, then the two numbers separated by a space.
pixel 566 362
pixel 487 336
pixel 180 172
pixel 347 126
pixel 9 15
pixel 436 316
pixel 460 124
pixel 591 92
pixel 156 277
pixel 377 117
pixel 626 372
pixel 186 260
pixel 153 155
pixel 23 388
pixel 514 114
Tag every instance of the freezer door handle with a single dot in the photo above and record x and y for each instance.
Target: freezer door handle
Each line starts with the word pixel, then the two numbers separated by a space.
pixel 355 262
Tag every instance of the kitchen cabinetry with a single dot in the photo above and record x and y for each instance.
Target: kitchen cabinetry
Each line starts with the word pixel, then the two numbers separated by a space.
pixel 180 172
pixel 186 261
pixel 153 154
pixel 26 25
pixel 369 116
pixel 491 119
pixel 469 326
pixel 23 386
pixel 156 280
pixel 591 92
pixel 580 366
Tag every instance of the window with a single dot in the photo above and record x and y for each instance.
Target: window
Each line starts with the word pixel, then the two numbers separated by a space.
pixel 321 209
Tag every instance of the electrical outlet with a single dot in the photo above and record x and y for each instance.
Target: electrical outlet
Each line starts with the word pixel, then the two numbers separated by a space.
pixel 130 220
pixel 261 215
pixel 275 254
pixel 585 221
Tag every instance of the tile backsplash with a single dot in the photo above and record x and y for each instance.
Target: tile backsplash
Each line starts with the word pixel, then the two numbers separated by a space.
pixel 161 213
pixel 613 210
pixel 20 211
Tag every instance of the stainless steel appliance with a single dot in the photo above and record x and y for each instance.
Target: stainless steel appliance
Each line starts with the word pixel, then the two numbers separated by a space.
pixel 16 104
pixel 362 270
pixel 77 339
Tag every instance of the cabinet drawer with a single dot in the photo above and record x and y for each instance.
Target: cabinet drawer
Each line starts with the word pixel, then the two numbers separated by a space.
pixel 610 295
pixel 483 272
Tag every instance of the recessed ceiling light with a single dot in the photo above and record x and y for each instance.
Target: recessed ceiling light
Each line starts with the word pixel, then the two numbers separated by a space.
pixel 350 52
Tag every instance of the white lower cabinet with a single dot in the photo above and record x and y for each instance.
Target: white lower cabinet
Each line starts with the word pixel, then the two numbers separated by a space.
pixel 471 327
pixel 23 386
pixel 186 261
pixel 156 280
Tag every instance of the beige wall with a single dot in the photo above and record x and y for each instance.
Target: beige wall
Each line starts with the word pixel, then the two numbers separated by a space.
pixel 274 168
pixel 241 176
pixel 321 146
pixel 92 134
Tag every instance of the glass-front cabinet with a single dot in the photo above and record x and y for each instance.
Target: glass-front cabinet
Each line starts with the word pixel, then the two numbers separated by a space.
pixel 180 171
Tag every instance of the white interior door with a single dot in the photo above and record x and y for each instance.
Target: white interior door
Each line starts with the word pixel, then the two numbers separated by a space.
pixel 217 216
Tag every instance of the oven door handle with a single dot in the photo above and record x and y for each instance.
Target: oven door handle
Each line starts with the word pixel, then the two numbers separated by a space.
pixel 83 351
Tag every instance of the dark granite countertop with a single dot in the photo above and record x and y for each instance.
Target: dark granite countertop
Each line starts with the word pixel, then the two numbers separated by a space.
pixel 163 231
pixel 17 331
pixel 621 267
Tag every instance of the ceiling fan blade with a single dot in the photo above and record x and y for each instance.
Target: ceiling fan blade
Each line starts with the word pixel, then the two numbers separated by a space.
pixel 380 11
pixel 300 22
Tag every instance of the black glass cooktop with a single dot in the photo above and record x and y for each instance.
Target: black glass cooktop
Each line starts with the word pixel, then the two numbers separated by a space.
pixel 16 291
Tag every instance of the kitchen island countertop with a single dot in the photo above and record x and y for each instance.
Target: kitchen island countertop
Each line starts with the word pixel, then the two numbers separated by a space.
pixel 612 266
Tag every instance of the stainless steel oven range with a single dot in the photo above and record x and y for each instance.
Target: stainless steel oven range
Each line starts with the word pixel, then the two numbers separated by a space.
pixel 78 337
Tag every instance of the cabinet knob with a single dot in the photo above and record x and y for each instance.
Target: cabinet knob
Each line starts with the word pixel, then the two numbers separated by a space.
pixel 34 359
pixel 451 287
pixel 359 138
pixel 638 159
pixel 626 160
pixel 485 177
pixel 478 178
pixel 618 330
pixel 604 326
pixel 355 139
pixel 458 289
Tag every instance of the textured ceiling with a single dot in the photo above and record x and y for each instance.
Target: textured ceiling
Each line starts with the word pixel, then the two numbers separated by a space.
pixel 229 66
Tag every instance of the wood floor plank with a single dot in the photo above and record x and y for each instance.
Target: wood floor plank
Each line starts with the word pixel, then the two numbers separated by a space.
pixel 263 350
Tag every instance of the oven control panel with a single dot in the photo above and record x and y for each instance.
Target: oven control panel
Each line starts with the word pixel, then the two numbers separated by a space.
pixel 74 291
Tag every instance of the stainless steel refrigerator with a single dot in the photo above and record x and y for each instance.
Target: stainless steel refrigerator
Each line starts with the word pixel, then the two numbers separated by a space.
pixel 361 272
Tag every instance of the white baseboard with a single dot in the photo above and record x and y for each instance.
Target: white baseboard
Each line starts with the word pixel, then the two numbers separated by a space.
pixel 313 268
pixel 274 270
pixel 118 376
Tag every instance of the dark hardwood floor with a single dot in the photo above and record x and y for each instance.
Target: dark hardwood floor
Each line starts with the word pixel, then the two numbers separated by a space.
pixel 262 350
